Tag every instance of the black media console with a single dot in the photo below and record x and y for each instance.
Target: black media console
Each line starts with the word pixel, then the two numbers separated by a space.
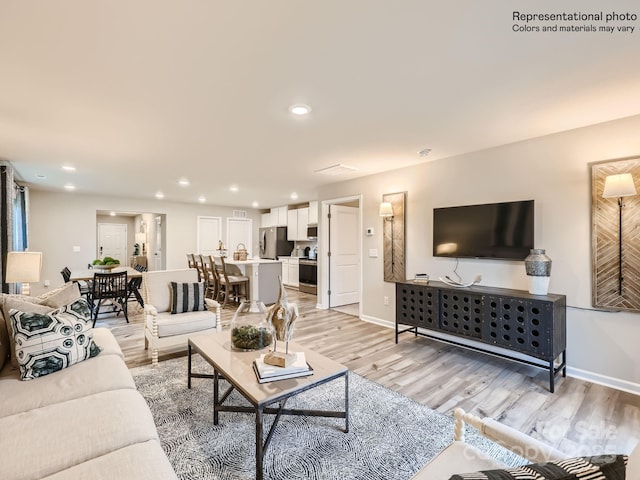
pixel 533 325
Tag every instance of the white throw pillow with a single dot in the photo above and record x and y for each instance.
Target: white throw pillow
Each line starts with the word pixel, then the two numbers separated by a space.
pixel 48 342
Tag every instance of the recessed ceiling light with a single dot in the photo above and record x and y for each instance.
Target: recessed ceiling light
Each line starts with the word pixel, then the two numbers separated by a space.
pixel 294 196
pixel 337 169
pixel 184 182
pixel 159 195
pixel 113 214
pixel 202 199
pixel 255 204
pixel 69 168
pixel 233 188
pixel 300 109
pixel 69 187
pixel 424 152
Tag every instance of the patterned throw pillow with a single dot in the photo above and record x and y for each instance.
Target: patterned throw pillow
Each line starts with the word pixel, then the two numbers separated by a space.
pixel 46 343
pixel 600 467
pixel 187 297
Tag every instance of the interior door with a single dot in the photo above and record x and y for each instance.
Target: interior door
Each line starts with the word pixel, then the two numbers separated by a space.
pixel 239 230
pixel 344 259
pixel 209 234
pixel 112 241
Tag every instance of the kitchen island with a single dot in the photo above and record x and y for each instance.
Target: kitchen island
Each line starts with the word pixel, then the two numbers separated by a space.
pixel 264 277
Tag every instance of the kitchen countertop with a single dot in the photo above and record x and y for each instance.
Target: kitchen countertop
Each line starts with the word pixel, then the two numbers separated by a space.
pixel 252 261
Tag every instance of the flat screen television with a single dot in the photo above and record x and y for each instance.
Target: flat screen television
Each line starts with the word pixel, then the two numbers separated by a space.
pixel 501 231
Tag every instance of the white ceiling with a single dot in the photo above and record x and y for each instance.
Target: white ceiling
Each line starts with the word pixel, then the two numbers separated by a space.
pixel 137 94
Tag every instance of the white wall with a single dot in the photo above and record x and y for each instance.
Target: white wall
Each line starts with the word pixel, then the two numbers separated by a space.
pixel 61 220
pixel 555 172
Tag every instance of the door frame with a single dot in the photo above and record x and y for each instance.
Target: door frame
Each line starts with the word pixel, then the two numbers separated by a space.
pixel 324 275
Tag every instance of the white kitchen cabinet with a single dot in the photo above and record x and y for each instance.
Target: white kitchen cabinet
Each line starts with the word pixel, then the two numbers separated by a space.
pixel 292 225
pixel 313 212
pixel 265 220
pixel 285 270
pixel 297 221
pixel 294 271
pixel 279 216
pixel 303 221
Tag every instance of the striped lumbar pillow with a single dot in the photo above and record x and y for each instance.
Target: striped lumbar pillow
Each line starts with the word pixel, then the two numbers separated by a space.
pixel 599 467
pixel 187 297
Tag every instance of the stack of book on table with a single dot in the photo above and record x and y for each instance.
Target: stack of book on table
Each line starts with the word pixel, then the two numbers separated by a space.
pixel 271 373
pixel 421 278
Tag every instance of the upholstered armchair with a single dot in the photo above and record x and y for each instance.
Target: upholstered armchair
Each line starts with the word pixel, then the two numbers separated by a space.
pixel 178 291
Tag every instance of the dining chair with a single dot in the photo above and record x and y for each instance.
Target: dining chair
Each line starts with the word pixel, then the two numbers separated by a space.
pixel 231 286
pixel 191 260
pixel 209 279
pixel 111 287
pixel 84 286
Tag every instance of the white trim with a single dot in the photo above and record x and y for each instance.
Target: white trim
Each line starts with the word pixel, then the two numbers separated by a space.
pixel 617 383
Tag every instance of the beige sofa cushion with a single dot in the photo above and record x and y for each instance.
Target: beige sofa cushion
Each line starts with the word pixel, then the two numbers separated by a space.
pixel 98 374
pixel 139 461
pixel 179 324
pixel 63 295
pixel 456 458
pixel 156 288
pixel 73 432
pixel 107 342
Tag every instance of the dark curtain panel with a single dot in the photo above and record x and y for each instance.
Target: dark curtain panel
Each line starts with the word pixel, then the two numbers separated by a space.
pixel 7 195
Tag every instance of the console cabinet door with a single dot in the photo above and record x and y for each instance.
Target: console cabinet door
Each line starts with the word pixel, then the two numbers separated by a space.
pixel 461 313
pixel 417 305
pixel 520 324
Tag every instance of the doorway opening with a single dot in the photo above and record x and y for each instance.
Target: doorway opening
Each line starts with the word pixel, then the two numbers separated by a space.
pixel 341 264
pixel 134 238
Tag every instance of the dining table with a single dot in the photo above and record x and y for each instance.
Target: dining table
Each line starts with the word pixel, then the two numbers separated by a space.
pixel 87 273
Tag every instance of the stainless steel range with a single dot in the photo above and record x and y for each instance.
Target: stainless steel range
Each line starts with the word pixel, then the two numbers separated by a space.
pixel 308 276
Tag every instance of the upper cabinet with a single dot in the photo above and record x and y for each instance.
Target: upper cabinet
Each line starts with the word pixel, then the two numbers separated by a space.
pixel 297 221
pixel 278 217
pixel 313 212
pixel 265 220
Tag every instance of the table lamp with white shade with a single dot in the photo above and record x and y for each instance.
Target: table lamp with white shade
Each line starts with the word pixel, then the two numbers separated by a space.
pixel 23 267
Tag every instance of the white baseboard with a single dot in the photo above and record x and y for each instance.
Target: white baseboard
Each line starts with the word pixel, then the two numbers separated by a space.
pixel 612 382
pixel 605 380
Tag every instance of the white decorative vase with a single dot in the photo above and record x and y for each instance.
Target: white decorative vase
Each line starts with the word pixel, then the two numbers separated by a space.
pixel 538 268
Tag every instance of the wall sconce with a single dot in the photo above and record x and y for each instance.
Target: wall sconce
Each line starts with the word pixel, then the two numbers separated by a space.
pixel 392 212
pixel 619 186
pixel 23 267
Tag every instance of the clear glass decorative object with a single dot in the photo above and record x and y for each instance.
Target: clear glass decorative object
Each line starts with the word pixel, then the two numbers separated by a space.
pixel 250 329
pixel 282 317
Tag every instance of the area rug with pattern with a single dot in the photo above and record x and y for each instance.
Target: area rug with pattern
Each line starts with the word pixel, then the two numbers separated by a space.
pixel 390 436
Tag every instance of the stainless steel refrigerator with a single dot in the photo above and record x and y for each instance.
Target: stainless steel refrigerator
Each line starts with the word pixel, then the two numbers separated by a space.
pixel 274 243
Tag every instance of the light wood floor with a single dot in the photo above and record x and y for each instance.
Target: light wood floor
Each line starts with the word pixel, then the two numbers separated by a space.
pixel 581 418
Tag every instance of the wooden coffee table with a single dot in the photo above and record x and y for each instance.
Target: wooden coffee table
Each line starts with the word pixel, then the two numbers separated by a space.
pixel 237 368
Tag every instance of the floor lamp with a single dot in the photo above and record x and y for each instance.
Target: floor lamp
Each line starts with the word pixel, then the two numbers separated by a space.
pixel 619 186
pixel 24 267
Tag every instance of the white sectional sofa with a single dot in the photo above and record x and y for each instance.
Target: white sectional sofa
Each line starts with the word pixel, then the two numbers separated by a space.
pixel 84 421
